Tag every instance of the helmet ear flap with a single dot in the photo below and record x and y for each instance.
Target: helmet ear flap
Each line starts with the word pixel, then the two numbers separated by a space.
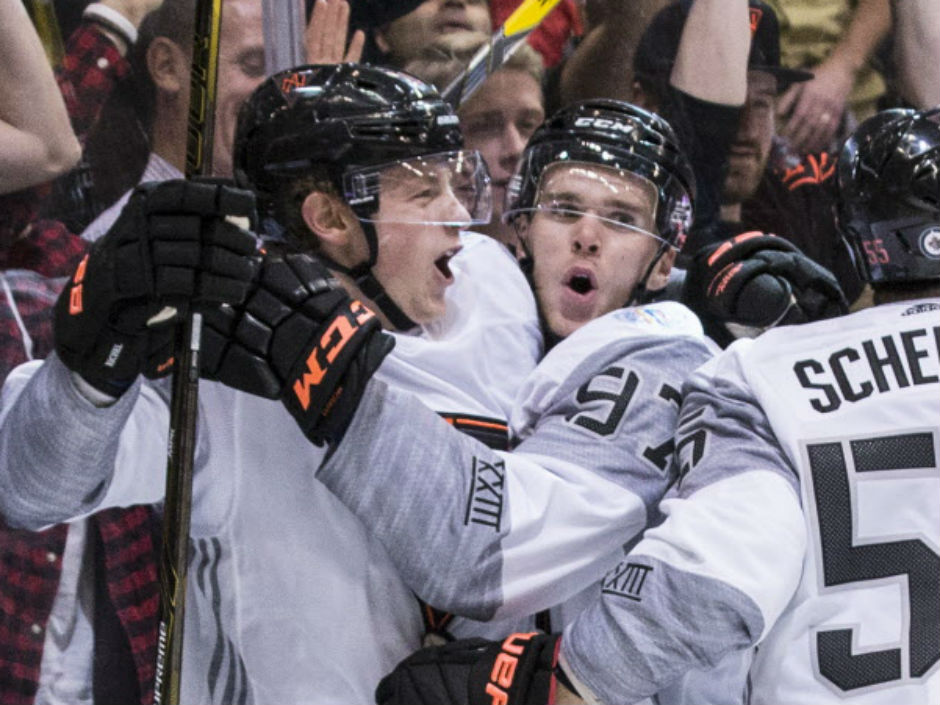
pixel 853 245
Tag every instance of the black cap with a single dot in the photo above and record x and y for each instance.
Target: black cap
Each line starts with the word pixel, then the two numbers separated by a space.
pixel 657 48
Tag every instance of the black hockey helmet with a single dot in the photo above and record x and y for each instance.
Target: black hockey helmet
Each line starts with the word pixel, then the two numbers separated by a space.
pixel 338 117
pixel 358 126
pixel 889 196
pixel 614 134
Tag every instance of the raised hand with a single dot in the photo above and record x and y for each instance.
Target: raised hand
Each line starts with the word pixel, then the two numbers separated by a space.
pixel 325 36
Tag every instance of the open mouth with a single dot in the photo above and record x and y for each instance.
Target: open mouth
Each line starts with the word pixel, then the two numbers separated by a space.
pixel 581 282
pixel 443 262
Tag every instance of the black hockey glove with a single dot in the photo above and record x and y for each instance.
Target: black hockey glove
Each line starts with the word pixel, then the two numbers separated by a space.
pixel 170 251
pixel 520 670
pixel 299 338
pixel 758 281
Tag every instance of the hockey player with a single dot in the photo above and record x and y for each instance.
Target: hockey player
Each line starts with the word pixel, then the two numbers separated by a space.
pixel 600 202
pixel 365 166
pixel 799 450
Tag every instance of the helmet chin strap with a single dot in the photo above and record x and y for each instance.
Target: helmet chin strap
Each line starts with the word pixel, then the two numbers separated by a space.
pixel 549 337
pixel 640 293
pixel 527 264
pixel 371 287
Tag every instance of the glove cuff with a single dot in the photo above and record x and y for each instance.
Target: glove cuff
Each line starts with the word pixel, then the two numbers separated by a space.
pixel 331 354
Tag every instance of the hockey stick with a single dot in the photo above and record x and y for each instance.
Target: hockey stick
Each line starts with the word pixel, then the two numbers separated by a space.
pixel 43 14
pixel 174 557
pixel 501 46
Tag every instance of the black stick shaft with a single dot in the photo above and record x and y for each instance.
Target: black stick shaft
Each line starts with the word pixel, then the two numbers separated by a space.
pixel 174 562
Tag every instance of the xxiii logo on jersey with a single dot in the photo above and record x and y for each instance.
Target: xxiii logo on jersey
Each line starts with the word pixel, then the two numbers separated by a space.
pixel 485 503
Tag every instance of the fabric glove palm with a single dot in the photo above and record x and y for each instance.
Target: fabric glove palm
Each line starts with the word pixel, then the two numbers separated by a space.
pixel 169 252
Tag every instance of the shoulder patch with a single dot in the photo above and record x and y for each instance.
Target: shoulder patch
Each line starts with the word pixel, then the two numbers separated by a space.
pixel 664 316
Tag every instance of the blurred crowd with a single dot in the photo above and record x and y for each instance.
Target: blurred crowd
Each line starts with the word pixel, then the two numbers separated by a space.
pixel 750 106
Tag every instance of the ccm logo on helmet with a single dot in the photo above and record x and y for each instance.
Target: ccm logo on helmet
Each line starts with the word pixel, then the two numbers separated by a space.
pixel 604 124
pixel 333 340
pixel 504 668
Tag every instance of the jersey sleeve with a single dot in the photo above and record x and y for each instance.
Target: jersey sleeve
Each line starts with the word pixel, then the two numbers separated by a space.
pixel 59 453
pixel 717 573
pixel 485 534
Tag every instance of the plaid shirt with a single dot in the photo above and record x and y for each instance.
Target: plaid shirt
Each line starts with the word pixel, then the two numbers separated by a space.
pixel 31 562
pixel 90 69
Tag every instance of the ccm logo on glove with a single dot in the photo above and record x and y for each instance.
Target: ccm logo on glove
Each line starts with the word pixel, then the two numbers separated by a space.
pixel 333 340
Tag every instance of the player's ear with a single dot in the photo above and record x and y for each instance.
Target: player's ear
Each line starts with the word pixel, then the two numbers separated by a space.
pixel 659 277
pixel 335 225
pixel 520 226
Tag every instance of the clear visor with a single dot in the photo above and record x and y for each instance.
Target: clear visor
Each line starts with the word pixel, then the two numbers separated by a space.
pixel 620 201
pixel 447 188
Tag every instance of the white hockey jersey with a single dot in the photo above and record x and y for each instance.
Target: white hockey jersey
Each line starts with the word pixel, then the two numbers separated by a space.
pixel 501 535
pixel 808 523
pixel 290 598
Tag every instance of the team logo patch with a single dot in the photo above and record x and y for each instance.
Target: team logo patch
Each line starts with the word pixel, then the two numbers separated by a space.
pixel 930 242
pixel 643 315
pixel 293 81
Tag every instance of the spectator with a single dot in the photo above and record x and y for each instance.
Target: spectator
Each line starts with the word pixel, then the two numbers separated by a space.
pixel 498 119
pixel 795 201
pixel 94 68
pixel 165 49
pixel 79 632
pixel 602 64
pixel 917 51
pixel 36 140
pixel 433 21
pixel 837 40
